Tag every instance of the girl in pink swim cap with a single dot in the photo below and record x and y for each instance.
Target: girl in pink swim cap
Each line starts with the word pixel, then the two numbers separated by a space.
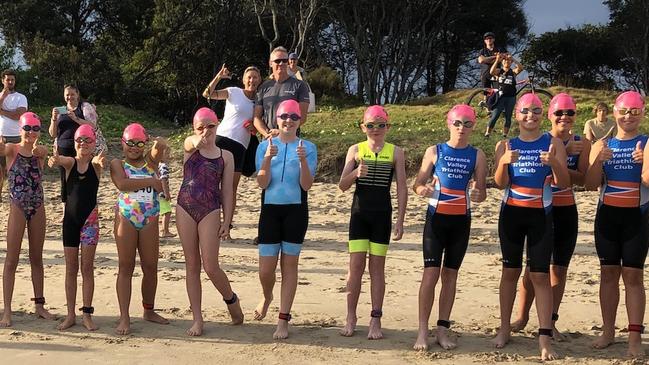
pixel 526 167
pixel 450 183
pixel 562 114
pixel 136 220
pixel 203 215
pixel 80 221
pixel 25 161
pixel 370 165
pixel 618 170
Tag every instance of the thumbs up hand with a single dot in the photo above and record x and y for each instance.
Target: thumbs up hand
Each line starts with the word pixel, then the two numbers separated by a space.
pixel 574 147
pixel 429 189
pixel 510 156
pixel 39 151
pixel 361 170
pixel 301 151
pixel 271 150
pixel 54 160
pixel 600 152
pixel 474 192
pixel 638 153
pixel 548 158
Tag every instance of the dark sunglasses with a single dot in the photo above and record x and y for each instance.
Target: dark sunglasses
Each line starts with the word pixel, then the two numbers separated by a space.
pixel 465 123
pixel 294 117
pixel 536 110
pixel 209 126
pixel 32 128
pixel 568 112
pixel 132 143
pixel 84 140
pixel 280 61
pixel 633 111
pixel 375 125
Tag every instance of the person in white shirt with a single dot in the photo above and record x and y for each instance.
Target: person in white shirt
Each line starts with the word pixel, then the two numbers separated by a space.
pixel 12 105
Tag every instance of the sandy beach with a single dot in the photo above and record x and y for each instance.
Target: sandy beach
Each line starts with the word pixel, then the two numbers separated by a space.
pixel 319 308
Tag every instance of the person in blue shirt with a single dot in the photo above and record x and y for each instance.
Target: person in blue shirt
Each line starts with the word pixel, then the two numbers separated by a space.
pixel 286 166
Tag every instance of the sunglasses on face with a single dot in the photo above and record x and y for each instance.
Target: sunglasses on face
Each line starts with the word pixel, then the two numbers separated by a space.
pixel 633 111
pixel 84 140
pixel 568 112
pixel 32 128
pixel 376 125
pixel 133 143
pixel 294 117
pixel 465 123
pixel 536 110
pixel 202 127
pixel 280 61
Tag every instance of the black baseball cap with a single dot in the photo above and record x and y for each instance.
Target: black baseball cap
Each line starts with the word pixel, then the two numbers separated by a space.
pixel 488 34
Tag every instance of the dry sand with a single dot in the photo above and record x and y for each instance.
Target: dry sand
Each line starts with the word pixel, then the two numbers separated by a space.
pixel 319 308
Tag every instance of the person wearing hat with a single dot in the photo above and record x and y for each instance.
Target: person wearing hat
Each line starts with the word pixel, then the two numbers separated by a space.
pixel 487 57
pixel 295 70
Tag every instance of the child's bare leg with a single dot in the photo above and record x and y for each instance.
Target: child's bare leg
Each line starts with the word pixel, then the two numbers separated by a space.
pixel 36 234
pixel 377 289
pixel 148 248
pixel 558 276
pixel 609 298
pixel 507 295
pixel 289 286
pixel 126 237
pixel 635 306
pixel 525 300
pixel 426 298
pixel 71 272
pixel 188 231
pixel 88 286
pixel 15 230
pixel 166 218
pixel 446 300
pixel 543 291
pixel 267 267
pixel 354 279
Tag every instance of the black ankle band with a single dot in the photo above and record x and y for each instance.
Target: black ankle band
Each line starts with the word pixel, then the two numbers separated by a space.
pixel 232 300
pixel 545 332
pixel 443 323
pixel 39 300
pixel 285 316
pixel 636 328
pixel 555 316
pixel 87 310
pixel 376 313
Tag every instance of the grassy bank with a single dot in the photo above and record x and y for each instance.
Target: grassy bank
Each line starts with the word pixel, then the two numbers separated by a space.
pixel 333 129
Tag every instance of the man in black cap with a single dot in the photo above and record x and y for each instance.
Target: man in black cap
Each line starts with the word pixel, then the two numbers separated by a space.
pixel 487 57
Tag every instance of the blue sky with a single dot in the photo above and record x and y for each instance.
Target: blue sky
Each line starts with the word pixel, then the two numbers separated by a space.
pixel 550 15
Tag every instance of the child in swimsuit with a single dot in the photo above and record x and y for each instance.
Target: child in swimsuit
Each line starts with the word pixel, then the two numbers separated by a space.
pixel 286 166
pixel 80 221
pixel 371 164
pixel 451 166
pixel 205 195
pixel 136 220
pixel 25 161
pixel 165 196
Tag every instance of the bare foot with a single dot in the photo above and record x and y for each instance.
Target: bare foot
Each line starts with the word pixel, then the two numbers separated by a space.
pixel 41 312
pixel 282 330
pixel 69 321
pixel 605 340
pixel 422 340
pixel 88 322
pixel 519 324
pixel 167 235
pixel 151 316
pixel 196 328
pixel 635 345
pixel 262 308
pixel 558 336
pixel 6 320
pixel 545 346
pixel 444 340
pixel 236 313
pixel 502 338
pixel 350 326
pixel 123 326
pixel 374 332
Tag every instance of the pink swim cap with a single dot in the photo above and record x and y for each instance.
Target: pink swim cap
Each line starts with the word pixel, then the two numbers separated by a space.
pixel 134 131
pixel 85 130
pixel 529 99
pixel 460 111
pixel 561 101
pixel 205 113
pixel 288 107
pixel 375 111
pixel 629 99
pixel 30 119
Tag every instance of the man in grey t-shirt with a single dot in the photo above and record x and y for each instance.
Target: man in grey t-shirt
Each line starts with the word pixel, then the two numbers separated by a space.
pixel 275 90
